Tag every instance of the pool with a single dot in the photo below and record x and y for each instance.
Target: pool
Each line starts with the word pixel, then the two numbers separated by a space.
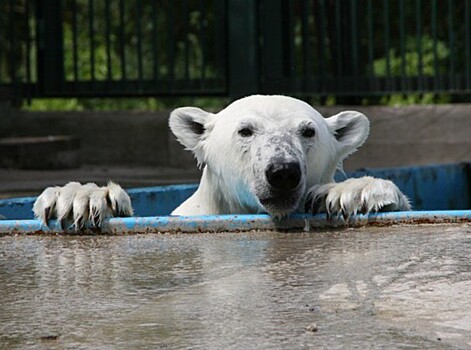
pixel 439 194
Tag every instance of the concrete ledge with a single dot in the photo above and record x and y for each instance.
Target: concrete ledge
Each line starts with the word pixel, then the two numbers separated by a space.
pixel 121 138
pixel 51 152
pixel 412 135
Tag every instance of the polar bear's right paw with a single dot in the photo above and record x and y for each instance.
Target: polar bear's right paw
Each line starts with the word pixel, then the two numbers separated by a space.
pixel 76 204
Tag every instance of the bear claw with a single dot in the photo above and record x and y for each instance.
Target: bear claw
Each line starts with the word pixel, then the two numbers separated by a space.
pixel 360 195
pixel 75 204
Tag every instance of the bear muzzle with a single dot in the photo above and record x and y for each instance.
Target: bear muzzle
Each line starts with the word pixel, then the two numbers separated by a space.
pixel 284 177
pixel 284 188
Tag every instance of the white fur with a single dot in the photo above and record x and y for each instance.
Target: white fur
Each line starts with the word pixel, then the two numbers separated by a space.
pixel 241 150
pixel 234 176
pixel 353 196
pixel 99 208
pixel 80 207
pixel 45 204
pixel 76 204
pixel 120 203
pixel 65 202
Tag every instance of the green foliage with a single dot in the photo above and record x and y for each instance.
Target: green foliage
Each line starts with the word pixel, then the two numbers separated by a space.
pixel 53 104
pixel 411 59
pixel 174 40
pixel 410 66
pixel 114 104
pixel 414 99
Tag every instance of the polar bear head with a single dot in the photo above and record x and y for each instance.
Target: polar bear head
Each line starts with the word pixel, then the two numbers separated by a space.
pixel 261 153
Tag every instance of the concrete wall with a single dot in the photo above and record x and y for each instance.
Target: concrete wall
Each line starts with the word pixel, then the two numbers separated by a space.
pixel 413 135
pixel 399 136
pixel 106 138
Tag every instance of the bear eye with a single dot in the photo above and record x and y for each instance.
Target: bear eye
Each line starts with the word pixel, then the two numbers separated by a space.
pixel 246 132
pixel 308 132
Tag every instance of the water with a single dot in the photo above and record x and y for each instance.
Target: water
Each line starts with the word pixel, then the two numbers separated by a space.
pixel 400 287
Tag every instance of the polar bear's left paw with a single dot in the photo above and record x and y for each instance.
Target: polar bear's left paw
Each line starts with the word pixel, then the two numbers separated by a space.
pixel 362 195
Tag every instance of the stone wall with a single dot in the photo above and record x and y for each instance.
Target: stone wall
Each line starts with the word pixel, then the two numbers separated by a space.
pixel 410 135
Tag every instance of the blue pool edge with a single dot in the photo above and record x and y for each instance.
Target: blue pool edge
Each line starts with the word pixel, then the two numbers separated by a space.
pixel 236 223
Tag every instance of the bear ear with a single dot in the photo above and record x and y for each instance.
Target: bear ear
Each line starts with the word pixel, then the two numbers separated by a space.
pixel 188 124
pixel 350 129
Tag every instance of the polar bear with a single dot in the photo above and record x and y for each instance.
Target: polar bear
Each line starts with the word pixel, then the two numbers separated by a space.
pixel 261 154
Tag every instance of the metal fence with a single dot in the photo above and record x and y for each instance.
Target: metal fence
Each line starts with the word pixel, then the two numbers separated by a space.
pixel 89 48
pixel 370 47
pixel 93 48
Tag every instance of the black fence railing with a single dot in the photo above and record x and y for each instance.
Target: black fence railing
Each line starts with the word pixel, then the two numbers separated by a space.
pixel 90 48
pixel 65 48
pixel 372 47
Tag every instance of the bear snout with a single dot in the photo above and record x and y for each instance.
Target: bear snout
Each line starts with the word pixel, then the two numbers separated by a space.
pixel 284 177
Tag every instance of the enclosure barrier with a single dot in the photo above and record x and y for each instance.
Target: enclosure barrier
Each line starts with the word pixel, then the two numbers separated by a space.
pixel 87 48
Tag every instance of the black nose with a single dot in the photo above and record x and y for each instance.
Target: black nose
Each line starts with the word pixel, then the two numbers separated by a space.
pixel 283 176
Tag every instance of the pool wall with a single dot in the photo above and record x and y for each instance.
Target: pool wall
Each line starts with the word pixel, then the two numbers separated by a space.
pixel 439 193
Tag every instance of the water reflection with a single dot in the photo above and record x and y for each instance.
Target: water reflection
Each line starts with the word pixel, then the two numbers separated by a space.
pixel 246 291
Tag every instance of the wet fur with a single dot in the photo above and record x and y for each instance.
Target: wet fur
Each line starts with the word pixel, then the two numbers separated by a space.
pixel 236 148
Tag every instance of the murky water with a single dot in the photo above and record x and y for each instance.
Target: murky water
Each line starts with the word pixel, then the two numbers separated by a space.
pixel 395 287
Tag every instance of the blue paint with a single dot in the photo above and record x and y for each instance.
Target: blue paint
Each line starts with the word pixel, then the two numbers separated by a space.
pixel 224 223
pixel 159 200
pixel 432 187
pixel 442 192
pixel 17 208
